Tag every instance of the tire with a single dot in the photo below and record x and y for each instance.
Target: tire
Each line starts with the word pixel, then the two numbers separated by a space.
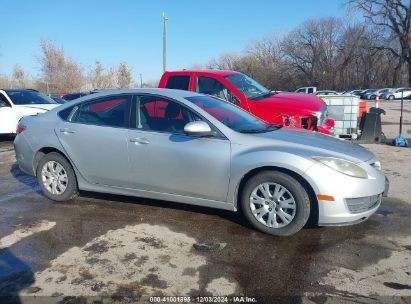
pixel 293 190
pixel 65 182
pixel 391 97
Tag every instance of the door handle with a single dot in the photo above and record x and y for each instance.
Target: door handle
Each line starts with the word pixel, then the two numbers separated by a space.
pixel 141 141
pixel 67 130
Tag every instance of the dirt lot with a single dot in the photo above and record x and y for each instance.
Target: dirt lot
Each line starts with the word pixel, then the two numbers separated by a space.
pixel 118 249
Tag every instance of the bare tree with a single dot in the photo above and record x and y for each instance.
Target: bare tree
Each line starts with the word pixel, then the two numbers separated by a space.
pixel 59 73
pixel 124 77
pixel 102 78
pixel 19 77
pixel 394 16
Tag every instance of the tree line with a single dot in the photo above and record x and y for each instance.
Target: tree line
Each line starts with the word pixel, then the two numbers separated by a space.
pixel 370 47
pixel 334 53
pixel 61 74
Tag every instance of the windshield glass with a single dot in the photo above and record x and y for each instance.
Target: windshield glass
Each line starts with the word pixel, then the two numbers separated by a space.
pixel 24 97
pixel 248 86
pixel 231 116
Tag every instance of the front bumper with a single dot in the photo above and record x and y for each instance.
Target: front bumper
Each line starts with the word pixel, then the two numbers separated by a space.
pixel 355 199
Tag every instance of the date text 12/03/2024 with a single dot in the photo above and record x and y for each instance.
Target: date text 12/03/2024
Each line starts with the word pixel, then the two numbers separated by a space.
pixel 206 299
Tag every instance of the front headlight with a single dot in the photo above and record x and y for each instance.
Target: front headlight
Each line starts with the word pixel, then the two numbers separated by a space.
pixel 343 166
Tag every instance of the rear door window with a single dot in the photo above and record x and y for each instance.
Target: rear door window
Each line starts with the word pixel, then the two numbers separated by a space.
pixel 178 82
pixel 112 111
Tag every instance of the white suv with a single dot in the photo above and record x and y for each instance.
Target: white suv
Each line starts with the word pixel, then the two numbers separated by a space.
pixel 16 103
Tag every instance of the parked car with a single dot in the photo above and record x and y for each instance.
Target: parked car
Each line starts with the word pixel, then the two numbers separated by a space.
pixel 396 94
pixel 354 92
pixel 190 148
pixel 73 96
pixel 379 93
pixel 326 92
pixel 367 93
pixel 16 103
pixel 307 90
pixel 290 109
pixel 58 99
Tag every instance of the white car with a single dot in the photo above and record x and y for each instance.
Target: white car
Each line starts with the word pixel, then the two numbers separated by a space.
pixel 16 103
pixel 397 94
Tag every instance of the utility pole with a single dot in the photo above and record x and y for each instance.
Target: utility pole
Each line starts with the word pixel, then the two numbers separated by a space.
pixel 141 80
pixel 164 41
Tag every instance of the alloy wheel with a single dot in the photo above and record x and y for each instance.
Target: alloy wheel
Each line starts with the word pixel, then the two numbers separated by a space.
pixel 54 177
pixel 273 205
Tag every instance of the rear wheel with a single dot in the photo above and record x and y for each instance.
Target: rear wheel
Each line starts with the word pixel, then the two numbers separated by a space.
pixel 56 177
pixel 275 203
pixel 391 97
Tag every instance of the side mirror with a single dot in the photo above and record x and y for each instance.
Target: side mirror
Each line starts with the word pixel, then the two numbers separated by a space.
pixel 198 128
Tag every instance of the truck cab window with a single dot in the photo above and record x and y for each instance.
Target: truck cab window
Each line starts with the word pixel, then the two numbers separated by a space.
pixel 211 86
pixel 178 82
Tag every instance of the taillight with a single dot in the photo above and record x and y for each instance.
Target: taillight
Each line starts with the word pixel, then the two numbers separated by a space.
pixel 20 128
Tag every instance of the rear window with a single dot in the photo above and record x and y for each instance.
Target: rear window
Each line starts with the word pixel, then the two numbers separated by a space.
pixel 178 82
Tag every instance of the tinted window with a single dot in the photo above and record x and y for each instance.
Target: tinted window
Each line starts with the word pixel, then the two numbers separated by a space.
pixel 162 115
pixel 26 97
pixel 67 114
pixel 3 101
pixel 211 86
pixel 109 111
pixel 233 117
pixel 178 82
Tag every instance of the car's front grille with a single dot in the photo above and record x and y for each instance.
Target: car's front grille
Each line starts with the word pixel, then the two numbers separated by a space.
pixel 309 122
pixel 305 123
pixel 361 204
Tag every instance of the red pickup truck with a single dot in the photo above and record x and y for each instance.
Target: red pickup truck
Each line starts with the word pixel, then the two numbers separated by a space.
pixel 289 109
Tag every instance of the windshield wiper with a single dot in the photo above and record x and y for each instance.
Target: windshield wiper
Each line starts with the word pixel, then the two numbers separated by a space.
pixel 268 94
pixel 269 128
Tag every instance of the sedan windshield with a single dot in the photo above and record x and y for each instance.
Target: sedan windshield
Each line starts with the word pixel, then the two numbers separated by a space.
pixel 248 86
pixel 232 116
pixel 27 97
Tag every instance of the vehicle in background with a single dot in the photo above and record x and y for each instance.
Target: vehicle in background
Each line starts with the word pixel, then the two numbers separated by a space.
pixel 326 92
pixel 379 93
pixel 72 96
pixel 225 158
pixel 307 90
pixel 397 94
pixel 354 92
pixel 305 111
pixel 367 93
pixel 16 103
pixel 58 99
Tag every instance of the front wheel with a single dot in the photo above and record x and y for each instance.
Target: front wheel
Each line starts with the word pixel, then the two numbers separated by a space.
pixel 391 97
pixel 275 203
pixel 56 177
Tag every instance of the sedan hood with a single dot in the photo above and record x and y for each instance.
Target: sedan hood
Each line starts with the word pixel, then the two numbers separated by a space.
pixel 45 107
pixel 293 101
pixel 316 144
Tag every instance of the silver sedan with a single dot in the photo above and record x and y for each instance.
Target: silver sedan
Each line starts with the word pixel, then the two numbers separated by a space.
pixel 196 149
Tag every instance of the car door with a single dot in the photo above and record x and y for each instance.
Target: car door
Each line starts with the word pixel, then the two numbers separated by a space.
pixel 164 159
pixel 7 120
pixel 94 134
